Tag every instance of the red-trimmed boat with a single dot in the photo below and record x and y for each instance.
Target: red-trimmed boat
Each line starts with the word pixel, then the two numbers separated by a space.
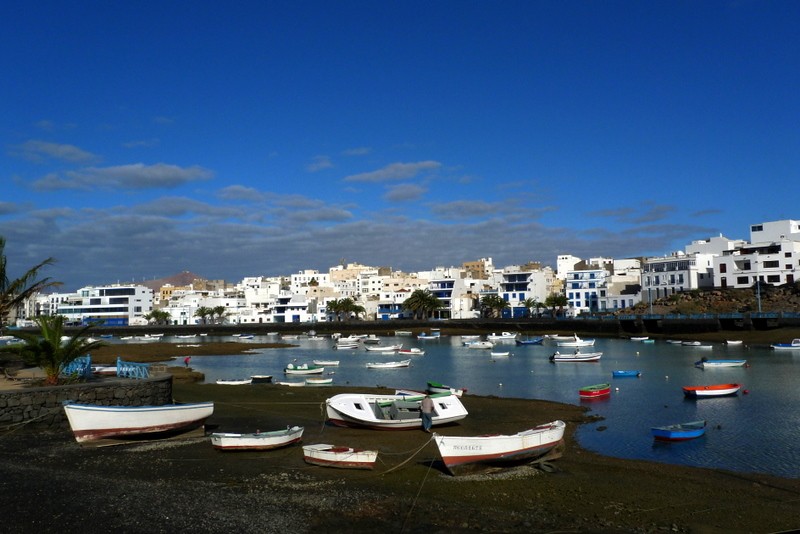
pixel 595 391
pixel 712 390
pixel 339 456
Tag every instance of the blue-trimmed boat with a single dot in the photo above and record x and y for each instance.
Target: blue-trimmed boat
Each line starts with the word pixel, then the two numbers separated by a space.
pixel 624 373
pixel 530 341
pixel 679 431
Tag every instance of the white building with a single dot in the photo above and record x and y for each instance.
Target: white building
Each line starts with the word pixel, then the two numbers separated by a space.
pixel 115 305
pixel 519 283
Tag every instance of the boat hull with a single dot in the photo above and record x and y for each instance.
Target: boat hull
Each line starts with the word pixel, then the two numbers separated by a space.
pixel 679 432
pixel 337 456
pixel 585 357
pixel 390 412
pixel 471 454
pixel 625 373
pixel 595 392
pixel 716 364
pixel 91 422
pixel 258 441
pixel 715 390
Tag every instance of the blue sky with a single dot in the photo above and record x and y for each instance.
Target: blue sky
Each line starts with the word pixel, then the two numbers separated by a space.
pixel 141 139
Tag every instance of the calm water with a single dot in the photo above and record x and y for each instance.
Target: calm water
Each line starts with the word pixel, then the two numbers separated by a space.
pixel 757 431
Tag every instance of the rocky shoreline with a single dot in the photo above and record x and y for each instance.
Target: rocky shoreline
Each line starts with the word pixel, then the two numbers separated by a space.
pixel 51 484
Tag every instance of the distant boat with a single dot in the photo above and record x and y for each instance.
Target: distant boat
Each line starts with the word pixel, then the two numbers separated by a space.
pixel 326 363
pixel 338 456
pixel 235 382
pixel 680 431
pixel 413 351
pixel 382 348
pixel 735 342
pixel 576 357
pixel 479 344
pixel 714 390
pixel 257 441
pixel 469 454
pixel 794 345
pixel 403 333
pixel 432 335
pixel 388 365
pixel 303 369
pixel 595 391
pixel 576 342
pixel 319 381
pixel 503 336
pixel 529 341
pixel 261 379
pixel 640 338
pixel 705 363
pixel 499 354
pixel 624 373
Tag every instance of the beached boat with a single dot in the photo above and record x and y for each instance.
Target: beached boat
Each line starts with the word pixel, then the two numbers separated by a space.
pixel 679 431
pixel 530 341
pixel 261 379
pixel 705 363
pixel 713 390
pixel 339 456
pixel 625 373
pixel 388 365
pixel 235 382
pixel 576 356
pixel 576 342
pixel 291 384
pixel 326 363
pixel 794 345
pixel 257 441
pixel 413 351
pixel 595 391
pixel 503 336
pixel 470 454
pixel 390 412
pixel 303 369
pixel 437 387
pixel 319 381
pixel 382 348
pixel 93 422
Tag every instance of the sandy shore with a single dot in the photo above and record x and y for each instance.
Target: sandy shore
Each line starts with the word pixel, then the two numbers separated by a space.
pixel 51 484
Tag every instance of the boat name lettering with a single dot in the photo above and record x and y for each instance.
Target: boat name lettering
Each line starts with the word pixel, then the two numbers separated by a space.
pixel 467 447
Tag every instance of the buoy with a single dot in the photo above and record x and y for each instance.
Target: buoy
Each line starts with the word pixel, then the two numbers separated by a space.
pixel 616 389
pixel 746 391
pixel 667 377
pixel 500 384
pixel 637 352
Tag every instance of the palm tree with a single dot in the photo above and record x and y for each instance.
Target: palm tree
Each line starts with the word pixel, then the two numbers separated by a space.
pixel 221 312
pixel 14 292
pixel 204 313
pixel 495 303
pixel 422 303
pixel 50 349
pixel 530 303
pixel 158 316
pixel 334 308
pixel 556 301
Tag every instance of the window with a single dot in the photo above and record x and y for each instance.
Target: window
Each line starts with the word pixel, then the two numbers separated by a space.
pixel 742 279
pixel 723 267
pixel 772 264
pixel 774 279
pixel 757 228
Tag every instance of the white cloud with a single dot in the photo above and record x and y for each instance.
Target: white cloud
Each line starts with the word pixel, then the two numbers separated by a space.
pixel 405 192
pixel 134 176
pixel 394 171
pixel 319 163
pixel 38 151
pixel 358 151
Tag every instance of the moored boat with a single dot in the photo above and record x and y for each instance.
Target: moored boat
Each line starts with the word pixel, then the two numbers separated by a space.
pixel 595 391
pixel 261 379
pixel 503 336
pixel 94 422
pixel 497 354
pixel 576 356
pixel 794 345
pixel 530 341
pixel 469 454
pixel 388 365
pixel 679 431
pixel 235 381
pixel 326 363
pixel 479 344
pixel 413 351
pixel 383 348
pixel 339 456
pixel 576 342
pixel 319 381
pixel 303 369
pixel 625 373
pixel 705 363
pixel 390 412
pixel 713 390
pixel 256 441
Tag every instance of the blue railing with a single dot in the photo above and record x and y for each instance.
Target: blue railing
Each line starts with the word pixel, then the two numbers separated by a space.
pixel 132 369
pixel 80 366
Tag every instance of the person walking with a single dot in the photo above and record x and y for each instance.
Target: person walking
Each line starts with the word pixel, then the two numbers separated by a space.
pixel 426 409
pixel 186 361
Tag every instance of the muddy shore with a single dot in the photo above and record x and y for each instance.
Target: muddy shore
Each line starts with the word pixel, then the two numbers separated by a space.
pixel 51 484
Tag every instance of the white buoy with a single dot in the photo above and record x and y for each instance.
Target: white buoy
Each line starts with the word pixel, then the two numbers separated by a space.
pixel 500 384
pixel 616 389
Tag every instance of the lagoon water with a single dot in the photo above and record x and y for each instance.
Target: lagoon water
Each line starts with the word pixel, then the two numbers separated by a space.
pixel 755 431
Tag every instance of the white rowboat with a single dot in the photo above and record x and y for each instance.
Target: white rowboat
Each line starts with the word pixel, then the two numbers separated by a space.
pixel 257 441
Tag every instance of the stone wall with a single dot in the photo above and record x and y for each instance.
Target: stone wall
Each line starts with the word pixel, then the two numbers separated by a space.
pixel 40 408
